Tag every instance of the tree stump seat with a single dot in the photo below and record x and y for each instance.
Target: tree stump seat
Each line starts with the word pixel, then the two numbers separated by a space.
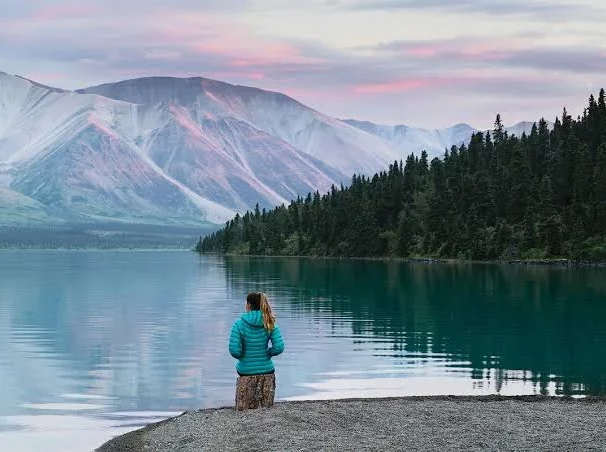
pixel 255 391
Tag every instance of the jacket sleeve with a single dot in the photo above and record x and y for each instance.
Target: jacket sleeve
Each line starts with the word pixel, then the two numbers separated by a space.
pixel 277 343
pixel 235 341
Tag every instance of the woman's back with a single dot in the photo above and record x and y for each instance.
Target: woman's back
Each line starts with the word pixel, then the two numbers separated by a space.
pixel 249 343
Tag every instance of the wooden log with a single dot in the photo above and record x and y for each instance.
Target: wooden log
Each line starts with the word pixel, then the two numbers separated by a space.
pixel 255 391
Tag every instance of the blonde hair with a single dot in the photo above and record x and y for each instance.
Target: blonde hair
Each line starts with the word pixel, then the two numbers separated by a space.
pixel 269 319
pixel 258 300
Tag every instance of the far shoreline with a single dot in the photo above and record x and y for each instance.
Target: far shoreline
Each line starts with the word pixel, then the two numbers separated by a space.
pixel 559 262
pixel 75 249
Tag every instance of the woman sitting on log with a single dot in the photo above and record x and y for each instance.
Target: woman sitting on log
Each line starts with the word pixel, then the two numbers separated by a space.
pixel 249 343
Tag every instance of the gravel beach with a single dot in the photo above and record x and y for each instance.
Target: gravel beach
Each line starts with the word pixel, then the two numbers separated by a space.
pixel 412 423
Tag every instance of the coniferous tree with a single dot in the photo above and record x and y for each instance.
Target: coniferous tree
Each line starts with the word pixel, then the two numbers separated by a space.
pixel 599 191
pixel 498 196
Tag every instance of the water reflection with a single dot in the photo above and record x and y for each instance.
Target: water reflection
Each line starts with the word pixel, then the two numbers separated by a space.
pixel 506 323
pixel 106 325
pixel 97 343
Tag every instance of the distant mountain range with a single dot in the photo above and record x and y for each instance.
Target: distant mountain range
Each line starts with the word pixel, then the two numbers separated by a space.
pixel 176 151
pixel 435 142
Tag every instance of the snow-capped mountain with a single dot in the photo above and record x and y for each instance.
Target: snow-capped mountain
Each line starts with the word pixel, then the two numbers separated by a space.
pixel 206 103
pixel 60 150
pixel 410 139
pixel 524 127
pixel 163 150
pixel 178 156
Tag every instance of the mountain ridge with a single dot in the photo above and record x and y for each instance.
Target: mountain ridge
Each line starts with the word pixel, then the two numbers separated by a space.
pixel 135 128
pixel 434 141
pixel 167 150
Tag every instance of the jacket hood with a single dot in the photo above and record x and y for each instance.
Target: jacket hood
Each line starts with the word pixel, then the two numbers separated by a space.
pixel 253 318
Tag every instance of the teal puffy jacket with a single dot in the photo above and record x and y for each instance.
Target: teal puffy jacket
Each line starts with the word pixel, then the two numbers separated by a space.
pixel 249 344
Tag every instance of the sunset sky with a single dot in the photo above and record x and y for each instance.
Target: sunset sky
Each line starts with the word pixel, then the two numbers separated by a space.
pixel 427 63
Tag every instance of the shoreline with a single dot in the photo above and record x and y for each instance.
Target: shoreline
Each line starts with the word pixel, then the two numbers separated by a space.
pixel 561 262
pixel 92 249
pixel 407 423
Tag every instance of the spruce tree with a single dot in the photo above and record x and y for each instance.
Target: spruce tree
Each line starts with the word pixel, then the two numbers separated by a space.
pixel 496 196
pixel 599 191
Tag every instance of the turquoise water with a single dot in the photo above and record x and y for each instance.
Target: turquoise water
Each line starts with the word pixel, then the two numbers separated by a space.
pixel 98 343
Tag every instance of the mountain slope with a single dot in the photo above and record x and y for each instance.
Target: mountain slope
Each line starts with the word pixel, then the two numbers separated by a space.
pixel 16 208
pixel 337 144
pixel 200 132
pixel 410 139
pixel 161 150
pixel 59 149
pixel 85 156
pixel 97 174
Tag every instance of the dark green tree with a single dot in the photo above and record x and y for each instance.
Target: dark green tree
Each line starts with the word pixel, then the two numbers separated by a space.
pixel 497 196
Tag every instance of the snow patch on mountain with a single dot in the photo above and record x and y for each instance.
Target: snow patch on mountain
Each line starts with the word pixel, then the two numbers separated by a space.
pixel 415 140
pixel 337 144
pixel 169 152
pixel 434 141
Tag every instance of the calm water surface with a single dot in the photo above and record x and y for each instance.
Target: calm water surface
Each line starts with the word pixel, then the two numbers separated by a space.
pixel 94 344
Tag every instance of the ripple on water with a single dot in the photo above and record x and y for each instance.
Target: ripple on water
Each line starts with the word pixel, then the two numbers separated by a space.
pixel 95 344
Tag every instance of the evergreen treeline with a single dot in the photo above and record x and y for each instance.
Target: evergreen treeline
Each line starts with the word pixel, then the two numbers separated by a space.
pixel 541 195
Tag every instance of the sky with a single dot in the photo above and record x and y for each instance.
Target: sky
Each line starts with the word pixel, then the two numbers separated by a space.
pixel 424 63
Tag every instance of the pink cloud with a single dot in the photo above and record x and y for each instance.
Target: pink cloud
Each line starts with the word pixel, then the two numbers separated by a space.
pixel 394 86
pixel 65 11
pixel 483 52
pixel 214 47
pixel 424 51
pixel 206 44
pixel 252 52
pixel 214 35
pixel 463 78
pixel 160 54
pixel 271 59
pixel 463 49
pixel 229 75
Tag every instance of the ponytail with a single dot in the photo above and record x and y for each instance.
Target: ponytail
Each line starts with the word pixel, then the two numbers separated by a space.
pixel 269 320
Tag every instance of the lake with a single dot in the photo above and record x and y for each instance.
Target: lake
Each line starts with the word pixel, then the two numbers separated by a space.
pixel 96 343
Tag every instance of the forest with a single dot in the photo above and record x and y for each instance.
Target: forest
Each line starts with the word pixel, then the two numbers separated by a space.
pixel 499 197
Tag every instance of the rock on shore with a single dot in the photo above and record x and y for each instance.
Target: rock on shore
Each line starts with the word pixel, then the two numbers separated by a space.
pixel 412 423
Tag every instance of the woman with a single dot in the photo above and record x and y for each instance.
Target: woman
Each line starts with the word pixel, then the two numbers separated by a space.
pixel 249 343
